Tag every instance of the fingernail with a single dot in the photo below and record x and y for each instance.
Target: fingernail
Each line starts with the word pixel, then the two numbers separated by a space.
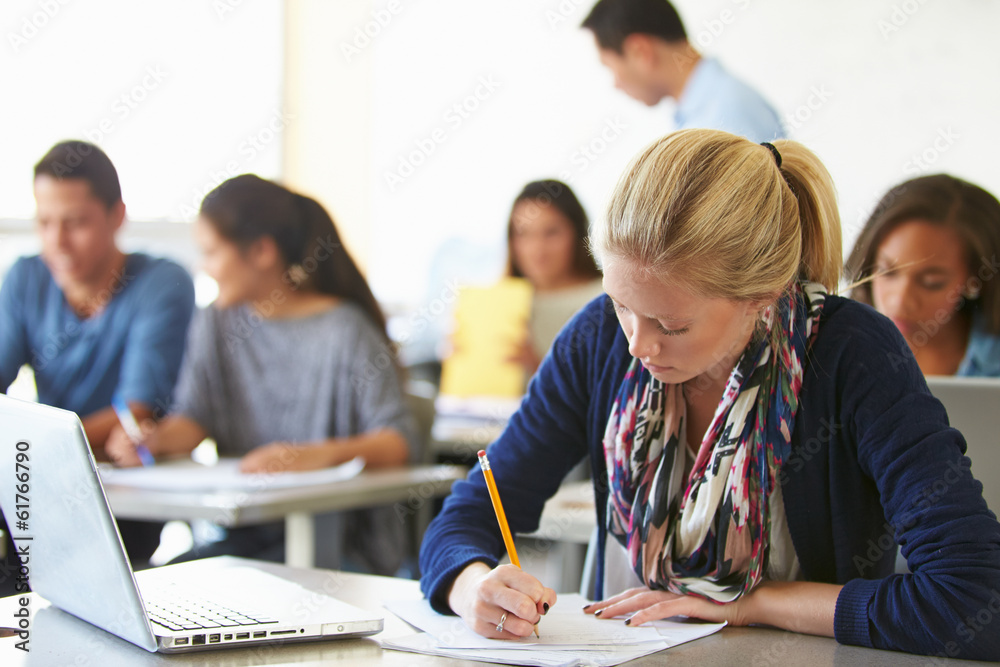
pixel 598 612
pixel 628 621
pixel 588 606
pixel 545 606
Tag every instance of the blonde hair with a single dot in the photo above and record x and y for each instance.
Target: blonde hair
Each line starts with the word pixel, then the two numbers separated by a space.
pixel 712 212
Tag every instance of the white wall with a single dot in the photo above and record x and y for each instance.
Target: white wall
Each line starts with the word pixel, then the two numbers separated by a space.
pixel 181 95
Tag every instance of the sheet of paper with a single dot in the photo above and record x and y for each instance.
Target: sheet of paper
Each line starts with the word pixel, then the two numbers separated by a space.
pixel 565 627
pixel 550 657
pixel 223 476
pixel 490 325
pixel 562 626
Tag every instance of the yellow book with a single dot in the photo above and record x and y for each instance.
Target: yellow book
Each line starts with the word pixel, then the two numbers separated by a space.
pixel 490 326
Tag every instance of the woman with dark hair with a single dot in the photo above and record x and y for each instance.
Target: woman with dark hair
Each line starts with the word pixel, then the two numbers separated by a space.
pixel 290 368
pixel 547 244
pixel 927 259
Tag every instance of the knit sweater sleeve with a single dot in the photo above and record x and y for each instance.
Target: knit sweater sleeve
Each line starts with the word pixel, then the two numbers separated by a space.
pixel 950 604
pixel 543 440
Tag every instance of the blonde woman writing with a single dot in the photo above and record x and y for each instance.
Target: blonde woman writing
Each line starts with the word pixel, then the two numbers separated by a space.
pixel 749 435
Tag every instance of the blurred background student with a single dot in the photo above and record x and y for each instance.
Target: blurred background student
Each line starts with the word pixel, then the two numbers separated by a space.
pixel 928 258
pixel 289 368
pixel 547 244
pixel 90 320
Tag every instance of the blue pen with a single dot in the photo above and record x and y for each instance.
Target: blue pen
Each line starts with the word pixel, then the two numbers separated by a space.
pixel 132 430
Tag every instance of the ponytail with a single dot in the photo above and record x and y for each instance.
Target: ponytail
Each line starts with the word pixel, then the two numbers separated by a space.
pixel 327 265
pixel 716 214
pixel 810 182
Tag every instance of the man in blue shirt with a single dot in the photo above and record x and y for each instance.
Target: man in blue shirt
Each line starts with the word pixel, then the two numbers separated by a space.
pixel 644 44
pixel 90 320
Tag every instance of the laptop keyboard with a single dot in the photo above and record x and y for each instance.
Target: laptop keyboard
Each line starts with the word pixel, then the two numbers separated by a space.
pixel 195 614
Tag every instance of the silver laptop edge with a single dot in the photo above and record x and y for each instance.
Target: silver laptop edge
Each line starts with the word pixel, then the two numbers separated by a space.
pixel 75 556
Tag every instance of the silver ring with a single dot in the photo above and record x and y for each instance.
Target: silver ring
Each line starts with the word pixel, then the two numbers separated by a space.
pixel 502 620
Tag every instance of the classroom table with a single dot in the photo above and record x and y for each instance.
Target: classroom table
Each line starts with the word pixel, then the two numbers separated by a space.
pixel 66 640
pixel 412 487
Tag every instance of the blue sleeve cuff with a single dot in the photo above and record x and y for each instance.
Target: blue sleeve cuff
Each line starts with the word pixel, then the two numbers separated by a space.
pixel 850 620
pixel 436 587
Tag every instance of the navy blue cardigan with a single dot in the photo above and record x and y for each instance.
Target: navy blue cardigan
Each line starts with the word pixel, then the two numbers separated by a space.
pixel 873 464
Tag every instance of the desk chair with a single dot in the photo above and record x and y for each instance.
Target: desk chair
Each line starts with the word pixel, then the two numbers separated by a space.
pixel 419 395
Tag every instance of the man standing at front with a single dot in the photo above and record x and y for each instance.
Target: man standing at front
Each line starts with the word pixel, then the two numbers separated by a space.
pixel 644 44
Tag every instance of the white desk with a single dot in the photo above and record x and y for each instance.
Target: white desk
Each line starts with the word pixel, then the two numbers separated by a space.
pixel 60 639
pixel 411 487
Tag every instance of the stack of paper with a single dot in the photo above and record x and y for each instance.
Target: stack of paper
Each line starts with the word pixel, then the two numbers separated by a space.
pixel 567 637
pixel 185 475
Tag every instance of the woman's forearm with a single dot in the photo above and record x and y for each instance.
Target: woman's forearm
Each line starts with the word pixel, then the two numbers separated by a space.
pixel 175 436
pixel 380 449
pixel 799 606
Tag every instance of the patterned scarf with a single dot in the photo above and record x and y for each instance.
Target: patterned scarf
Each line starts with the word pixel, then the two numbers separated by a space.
pixel 707 534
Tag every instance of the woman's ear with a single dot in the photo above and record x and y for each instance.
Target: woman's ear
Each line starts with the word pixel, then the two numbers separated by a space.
pixel 263 254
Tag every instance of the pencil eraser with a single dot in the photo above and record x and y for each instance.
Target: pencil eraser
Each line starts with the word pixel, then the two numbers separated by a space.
pixel 481 453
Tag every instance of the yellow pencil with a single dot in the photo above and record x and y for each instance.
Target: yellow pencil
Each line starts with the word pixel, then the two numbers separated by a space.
pixel 508 539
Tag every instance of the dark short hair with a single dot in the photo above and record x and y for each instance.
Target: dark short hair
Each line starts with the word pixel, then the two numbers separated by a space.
pixel 559 195
pixel 612 21
pixel 86 162
pixel 943 200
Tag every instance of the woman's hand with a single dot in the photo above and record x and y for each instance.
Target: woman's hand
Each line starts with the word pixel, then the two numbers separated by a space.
pixel 121 450
pixel 643 604
pixel 289 457
pixel 481 596
pixel 799 606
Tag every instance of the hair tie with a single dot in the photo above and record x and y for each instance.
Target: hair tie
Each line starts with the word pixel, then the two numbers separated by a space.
pixel 774 152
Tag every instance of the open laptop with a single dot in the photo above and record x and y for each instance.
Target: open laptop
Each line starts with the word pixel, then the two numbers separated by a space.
pixel 973 406
pixel 52 498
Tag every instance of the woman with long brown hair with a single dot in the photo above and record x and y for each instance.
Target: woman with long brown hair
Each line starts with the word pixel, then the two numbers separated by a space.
pixel 290 368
